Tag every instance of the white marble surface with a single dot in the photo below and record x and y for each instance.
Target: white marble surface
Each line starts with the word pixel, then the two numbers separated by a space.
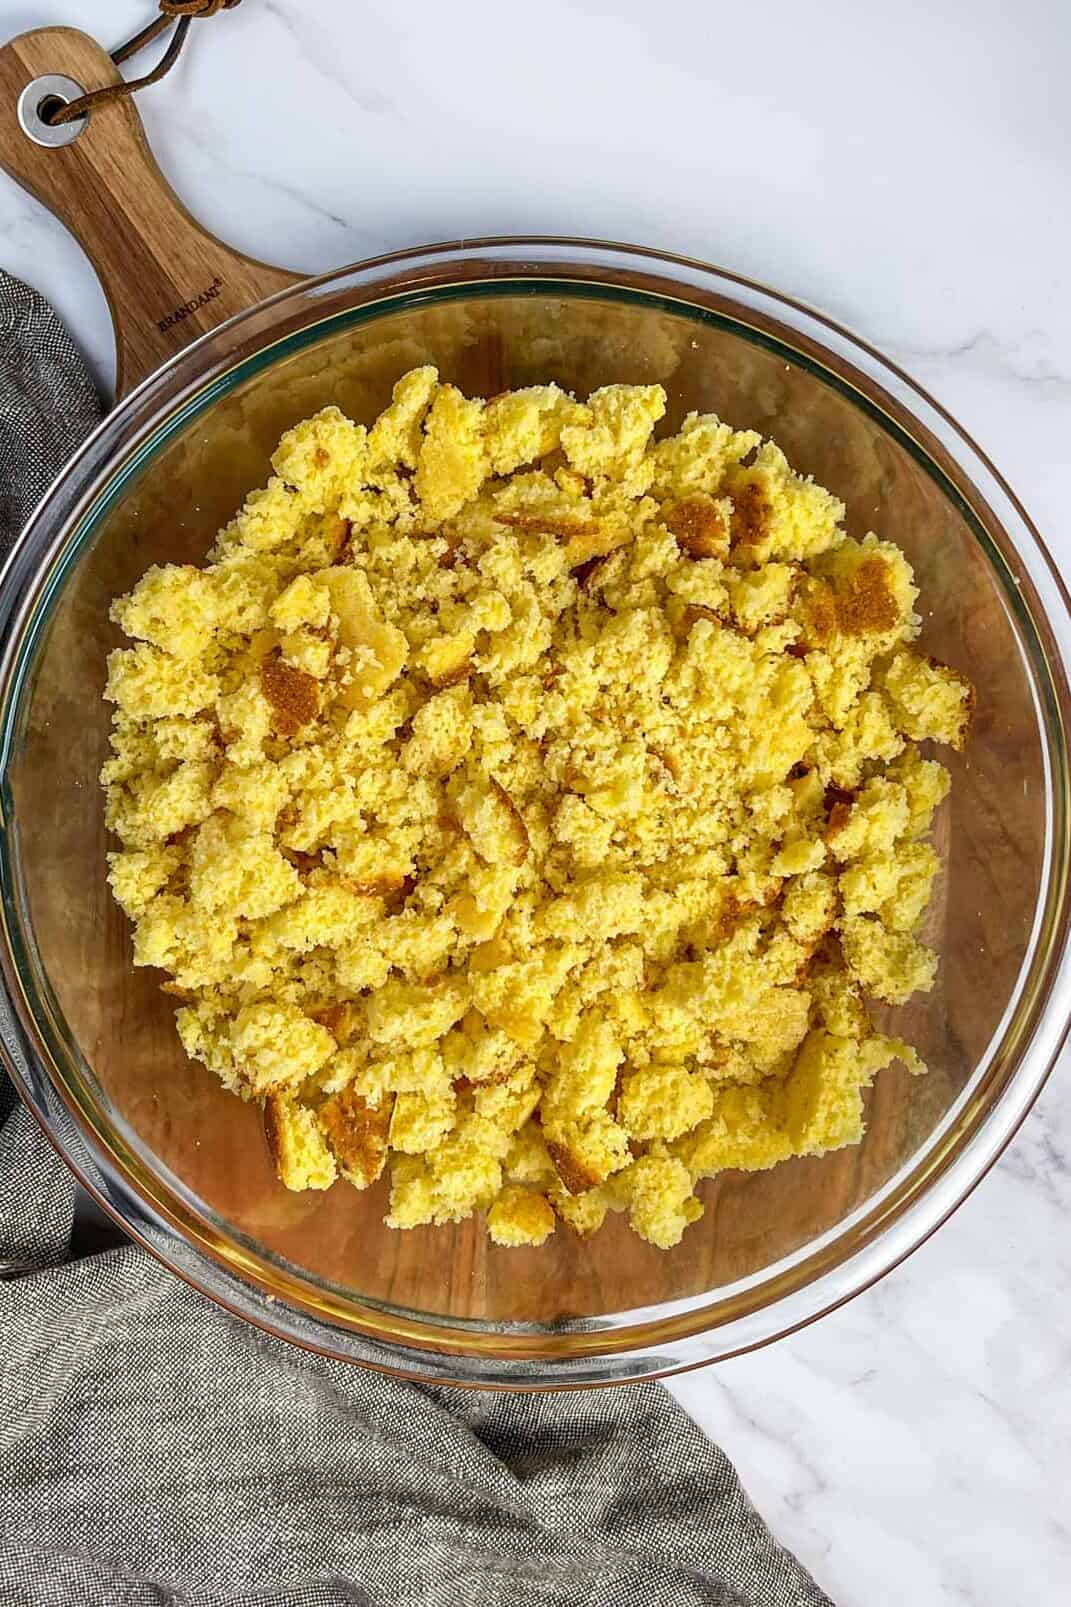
pixel 905 168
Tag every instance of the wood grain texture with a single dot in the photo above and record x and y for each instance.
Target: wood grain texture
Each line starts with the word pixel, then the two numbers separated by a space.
pixel 167 280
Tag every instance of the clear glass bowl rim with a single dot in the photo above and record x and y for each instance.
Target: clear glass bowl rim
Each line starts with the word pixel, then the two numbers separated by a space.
pixel 155 1209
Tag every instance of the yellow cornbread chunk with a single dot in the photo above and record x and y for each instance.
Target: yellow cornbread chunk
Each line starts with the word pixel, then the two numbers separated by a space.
pixel 663 1101
pixel 145 681
pixel 421 1120
pixel 661 1201
pixel 520 1216
pixel 525 806
pixel 927 699
pixel 173 608
pixel 299 1149
pixel 277 1045
pixel 890 965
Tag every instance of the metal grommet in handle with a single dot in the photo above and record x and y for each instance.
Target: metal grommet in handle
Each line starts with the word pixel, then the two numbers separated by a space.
pixel 36 96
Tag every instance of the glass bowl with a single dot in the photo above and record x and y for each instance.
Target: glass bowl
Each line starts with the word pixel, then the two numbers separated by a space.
pixel 185 1168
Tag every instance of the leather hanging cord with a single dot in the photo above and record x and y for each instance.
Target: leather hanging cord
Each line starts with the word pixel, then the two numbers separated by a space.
pixel 179 12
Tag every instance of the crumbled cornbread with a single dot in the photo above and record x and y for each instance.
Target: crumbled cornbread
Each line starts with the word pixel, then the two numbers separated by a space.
pixel 530 806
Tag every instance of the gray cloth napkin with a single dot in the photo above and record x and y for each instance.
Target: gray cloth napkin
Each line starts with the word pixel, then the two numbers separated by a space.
pixel 154 1449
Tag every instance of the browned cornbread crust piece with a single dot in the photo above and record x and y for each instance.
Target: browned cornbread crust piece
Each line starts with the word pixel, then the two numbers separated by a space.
pixel 527 806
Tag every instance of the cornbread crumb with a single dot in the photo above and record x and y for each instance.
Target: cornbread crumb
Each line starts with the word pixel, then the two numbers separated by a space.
pixel 928 700
pixel 421 1120
pixel 661 1200
pixel 172 608
pixel 663 1101
pixel 585 1212
pixel 527 1160
pixel 520 1216
pixel 356 1131
pixel 297 1144
pixel 463 1175
pixel 890 966
pixel 276 1045
pixel 586 1152
pixel 148 682
pixel 531 806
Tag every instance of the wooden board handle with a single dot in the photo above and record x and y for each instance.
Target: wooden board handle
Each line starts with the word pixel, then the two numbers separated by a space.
pixel 166 278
